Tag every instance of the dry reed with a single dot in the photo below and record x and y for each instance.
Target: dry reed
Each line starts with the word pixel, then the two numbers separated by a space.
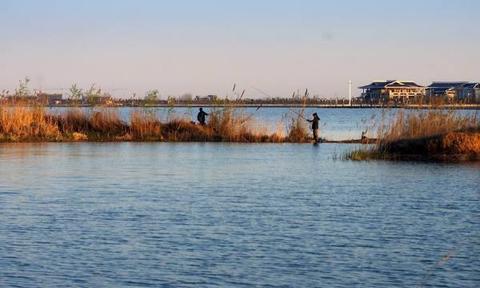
pixel 21 124
pixel 425 123
pixel 297 131
pixel 27 123
pixel 425 135
pixel 145 126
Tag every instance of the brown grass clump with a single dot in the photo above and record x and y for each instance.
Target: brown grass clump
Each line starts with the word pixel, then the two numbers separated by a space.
pixel 452 145
pixel 418 124
pixel 181 130
pixel 297 131
pixel 27 123
pixel 145 126
pixel 458 143
pixel 101 125
pixel 34 124
pixel 107 122
pixel 74 119
pixel 232 125
pixel 228 126
pixel 426 135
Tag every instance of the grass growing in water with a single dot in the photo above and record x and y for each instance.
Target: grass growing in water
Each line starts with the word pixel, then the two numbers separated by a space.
pixel 425 135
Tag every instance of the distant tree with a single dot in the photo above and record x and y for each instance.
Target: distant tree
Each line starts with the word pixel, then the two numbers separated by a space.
pixel 187 97
pixel 171 106
pixel 92 94
pixel 75 93
pixel 152 97
pixel 22 89
pixel 4 93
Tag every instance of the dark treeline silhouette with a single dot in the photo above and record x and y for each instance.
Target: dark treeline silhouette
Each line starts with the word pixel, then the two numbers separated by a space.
pixel 58 100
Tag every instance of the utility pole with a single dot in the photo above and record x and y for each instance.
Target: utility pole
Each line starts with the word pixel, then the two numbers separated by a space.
pixel 350 92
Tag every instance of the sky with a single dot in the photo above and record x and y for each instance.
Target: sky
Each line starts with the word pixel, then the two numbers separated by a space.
pixel 205 46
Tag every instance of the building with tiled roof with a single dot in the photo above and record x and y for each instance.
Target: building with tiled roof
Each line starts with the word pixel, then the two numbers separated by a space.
pixel 392 90
pixel 462 91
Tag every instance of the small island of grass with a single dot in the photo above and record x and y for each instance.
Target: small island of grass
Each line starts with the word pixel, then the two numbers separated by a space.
pixel 432 135
pixel 227 124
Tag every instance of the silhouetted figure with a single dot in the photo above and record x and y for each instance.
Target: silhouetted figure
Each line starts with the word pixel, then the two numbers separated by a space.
pixel 314 122
pixel 201 116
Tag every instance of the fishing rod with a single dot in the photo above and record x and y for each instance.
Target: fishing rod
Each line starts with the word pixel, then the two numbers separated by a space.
pixel 252 114
pixel 303 108
pixel 298 114
pixel 258 107
pixel 263 92
pixel 268 95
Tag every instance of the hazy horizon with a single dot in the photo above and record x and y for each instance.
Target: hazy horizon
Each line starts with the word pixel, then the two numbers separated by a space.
pixel 203 47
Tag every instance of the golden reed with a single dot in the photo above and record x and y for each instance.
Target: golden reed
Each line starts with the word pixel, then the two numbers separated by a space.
pixel 433 134
pixel 35 124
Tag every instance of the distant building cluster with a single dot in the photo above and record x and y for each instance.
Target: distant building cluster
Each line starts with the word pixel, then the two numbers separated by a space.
pixel 398 91
pixel 56 99
pixel 50 99
pixel 40 98
pixel 207 99
pixel 378 93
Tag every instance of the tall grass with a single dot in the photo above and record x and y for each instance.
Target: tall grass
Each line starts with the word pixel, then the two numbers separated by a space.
pixel 230 124
pixel 107 122
pixel 145 126
pixel 424 134
pixel 297 130
pixel 35 124
pixel 27 123
pixel 425 123
pixel 103 124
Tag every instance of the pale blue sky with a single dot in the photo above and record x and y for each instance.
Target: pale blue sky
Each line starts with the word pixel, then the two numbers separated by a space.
pixel 203 47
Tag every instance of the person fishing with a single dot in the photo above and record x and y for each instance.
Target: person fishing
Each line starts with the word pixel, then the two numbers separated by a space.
pixel 314 122
pixel 201 116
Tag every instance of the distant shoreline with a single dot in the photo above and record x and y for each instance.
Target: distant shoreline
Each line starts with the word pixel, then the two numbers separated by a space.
pixel 324 106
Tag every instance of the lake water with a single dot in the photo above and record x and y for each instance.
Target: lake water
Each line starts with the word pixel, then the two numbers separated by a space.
pixel 232 215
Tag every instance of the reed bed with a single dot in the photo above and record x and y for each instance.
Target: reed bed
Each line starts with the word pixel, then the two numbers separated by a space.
pixel 35 124
pixel 414 124
pixel 27 124
pixel 425 135
pixel 297 130
pixel 145 126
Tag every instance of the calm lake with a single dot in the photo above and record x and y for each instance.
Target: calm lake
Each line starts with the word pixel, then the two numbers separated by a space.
pixel 232 215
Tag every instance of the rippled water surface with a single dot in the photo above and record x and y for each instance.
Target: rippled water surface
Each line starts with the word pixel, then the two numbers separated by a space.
pixel 232 215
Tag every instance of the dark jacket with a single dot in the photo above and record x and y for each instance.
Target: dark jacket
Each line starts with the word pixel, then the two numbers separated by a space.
pixel 314 122
pixel 201 116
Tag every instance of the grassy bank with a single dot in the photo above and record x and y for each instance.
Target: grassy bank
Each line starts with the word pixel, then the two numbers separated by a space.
pixel 438 135
pixel 228 124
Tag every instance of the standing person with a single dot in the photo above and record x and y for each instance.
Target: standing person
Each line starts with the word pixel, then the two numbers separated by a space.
pixel 201 116
pixel 314 122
